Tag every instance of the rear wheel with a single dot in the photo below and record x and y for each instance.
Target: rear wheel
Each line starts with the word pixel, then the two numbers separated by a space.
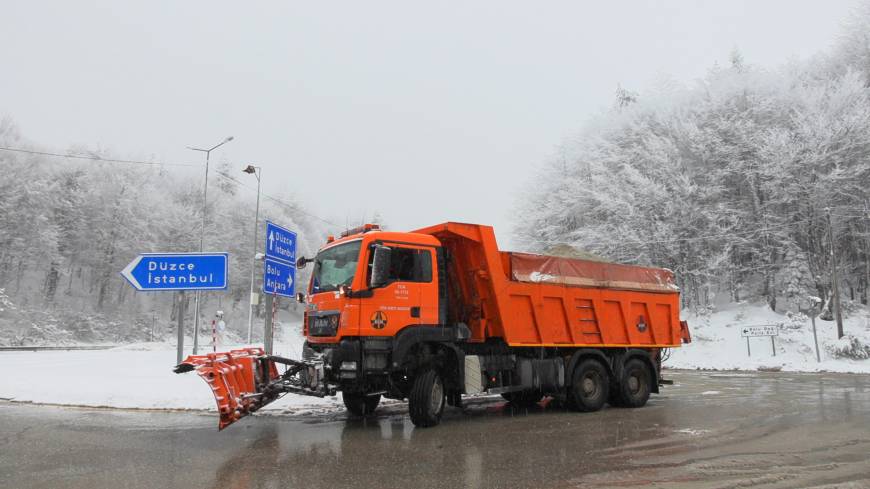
pixel 523 398
pixel 590 386
pixel 426 401
pixel 360 404
pixel 634 387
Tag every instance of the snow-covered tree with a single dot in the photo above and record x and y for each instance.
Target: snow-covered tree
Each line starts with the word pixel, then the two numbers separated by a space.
pixel 67 227
pixel 728 182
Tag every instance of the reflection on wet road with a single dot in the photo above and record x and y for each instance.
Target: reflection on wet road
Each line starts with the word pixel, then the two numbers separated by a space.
pixel 709 430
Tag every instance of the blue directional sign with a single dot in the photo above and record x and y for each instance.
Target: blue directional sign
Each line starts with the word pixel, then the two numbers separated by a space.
pixel 279 278
pixel 280 243
pixel 177 271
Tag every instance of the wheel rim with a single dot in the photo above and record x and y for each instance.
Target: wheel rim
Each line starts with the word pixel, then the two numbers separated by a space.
pixel 589 385
pixel 634 383
pixel 437 396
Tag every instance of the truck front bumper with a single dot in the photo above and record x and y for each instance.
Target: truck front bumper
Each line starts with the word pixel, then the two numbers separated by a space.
pixel 353 358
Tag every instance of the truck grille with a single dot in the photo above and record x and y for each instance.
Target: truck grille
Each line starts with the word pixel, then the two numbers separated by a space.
pixel 324 324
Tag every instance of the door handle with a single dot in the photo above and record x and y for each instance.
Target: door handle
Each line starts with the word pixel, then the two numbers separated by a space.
pixel 415 312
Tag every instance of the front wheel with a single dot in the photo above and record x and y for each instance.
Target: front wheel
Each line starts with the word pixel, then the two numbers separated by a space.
pixel 360 404
pixel 426 401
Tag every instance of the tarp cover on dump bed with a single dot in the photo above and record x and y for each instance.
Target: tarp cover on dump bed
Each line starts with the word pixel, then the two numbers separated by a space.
pixel 526 267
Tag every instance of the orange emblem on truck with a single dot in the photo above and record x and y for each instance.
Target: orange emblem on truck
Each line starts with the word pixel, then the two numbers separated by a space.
pixel 379 320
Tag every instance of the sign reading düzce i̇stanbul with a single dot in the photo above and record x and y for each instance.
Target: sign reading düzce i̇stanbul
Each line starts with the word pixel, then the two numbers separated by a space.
pixel 279 267
pixel 177 271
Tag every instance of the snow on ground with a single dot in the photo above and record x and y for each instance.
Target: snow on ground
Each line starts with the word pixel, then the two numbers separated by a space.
pixel 132 376
pixel 140 375
pixel 717 342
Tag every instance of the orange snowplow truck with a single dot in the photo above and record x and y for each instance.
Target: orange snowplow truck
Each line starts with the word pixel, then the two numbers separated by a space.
pixel 438 313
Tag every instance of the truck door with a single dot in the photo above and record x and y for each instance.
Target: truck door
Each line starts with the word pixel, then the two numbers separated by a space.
pixel 410 296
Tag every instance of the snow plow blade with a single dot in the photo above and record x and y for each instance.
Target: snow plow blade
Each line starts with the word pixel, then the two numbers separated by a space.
pixel 239 379
pixel 245 380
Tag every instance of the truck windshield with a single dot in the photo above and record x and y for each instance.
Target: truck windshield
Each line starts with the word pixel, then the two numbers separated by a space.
pixel 335 267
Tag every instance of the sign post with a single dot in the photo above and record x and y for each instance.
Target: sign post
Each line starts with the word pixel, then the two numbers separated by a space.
pixel 180 347
pixel 269 333
pixel 268 303
pixel 813 310
pixel 771 330
pixel 279 275
pixel 156 272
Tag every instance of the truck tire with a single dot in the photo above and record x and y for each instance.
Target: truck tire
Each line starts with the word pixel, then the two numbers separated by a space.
pixel 634 388
pixel 523 398
pixel 426 401
pixel 590 386
pixel 360 404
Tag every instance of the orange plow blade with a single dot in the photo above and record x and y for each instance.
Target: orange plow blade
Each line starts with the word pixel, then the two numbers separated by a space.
pixel 239 380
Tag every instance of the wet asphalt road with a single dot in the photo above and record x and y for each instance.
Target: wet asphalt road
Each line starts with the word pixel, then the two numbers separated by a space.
pixel 771 430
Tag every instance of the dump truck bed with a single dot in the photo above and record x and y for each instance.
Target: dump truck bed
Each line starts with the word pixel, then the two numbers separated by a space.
pixel 536 300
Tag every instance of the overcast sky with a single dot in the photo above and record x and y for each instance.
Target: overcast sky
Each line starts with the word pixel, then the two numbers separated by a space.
pixel 421 111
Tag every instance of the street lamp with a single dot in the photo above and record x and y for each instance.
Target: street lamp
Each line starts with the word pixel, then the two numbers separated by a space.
pixel 257 172
pixel 202 234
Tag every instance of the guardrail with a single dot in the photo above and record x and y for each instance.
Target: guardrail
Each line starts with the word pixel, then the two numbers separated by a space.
pixel 52 348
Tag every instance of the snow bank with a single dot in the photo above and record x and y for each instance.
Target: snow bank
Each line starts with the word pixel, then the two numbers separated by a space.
pixel 140 375
pixel 849 346
pixel 717 342
pixel 133 376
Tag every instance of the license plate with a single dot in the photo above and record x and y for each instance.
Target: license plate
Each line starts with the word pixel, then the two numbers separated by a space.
pixel 323 325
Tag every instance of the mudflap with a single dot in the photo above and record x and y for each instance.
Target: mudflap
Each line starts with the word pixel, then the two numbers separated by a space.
pixel 239 379
pixel 685 334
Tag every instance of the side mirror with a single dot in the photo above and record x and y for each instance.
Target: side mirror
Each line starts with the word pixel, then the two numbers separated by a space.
pixel 302 261
pixel 381 266
pixel 300 297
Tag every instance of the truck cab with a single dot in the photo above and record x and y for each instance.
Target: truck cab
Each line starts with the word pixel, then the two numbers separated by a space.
pixel 345 298
pixel 370 292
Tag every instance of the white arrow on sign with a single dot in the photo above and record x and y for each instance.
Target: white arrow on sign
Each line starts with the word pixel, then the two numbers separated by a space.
pixel 271 239
pixel 127 272
pixel 289 281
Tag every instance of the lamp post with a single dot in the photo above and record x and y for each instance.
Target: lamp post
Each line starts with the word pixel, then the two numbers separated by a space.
pixel 257 172
pixel 202 235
